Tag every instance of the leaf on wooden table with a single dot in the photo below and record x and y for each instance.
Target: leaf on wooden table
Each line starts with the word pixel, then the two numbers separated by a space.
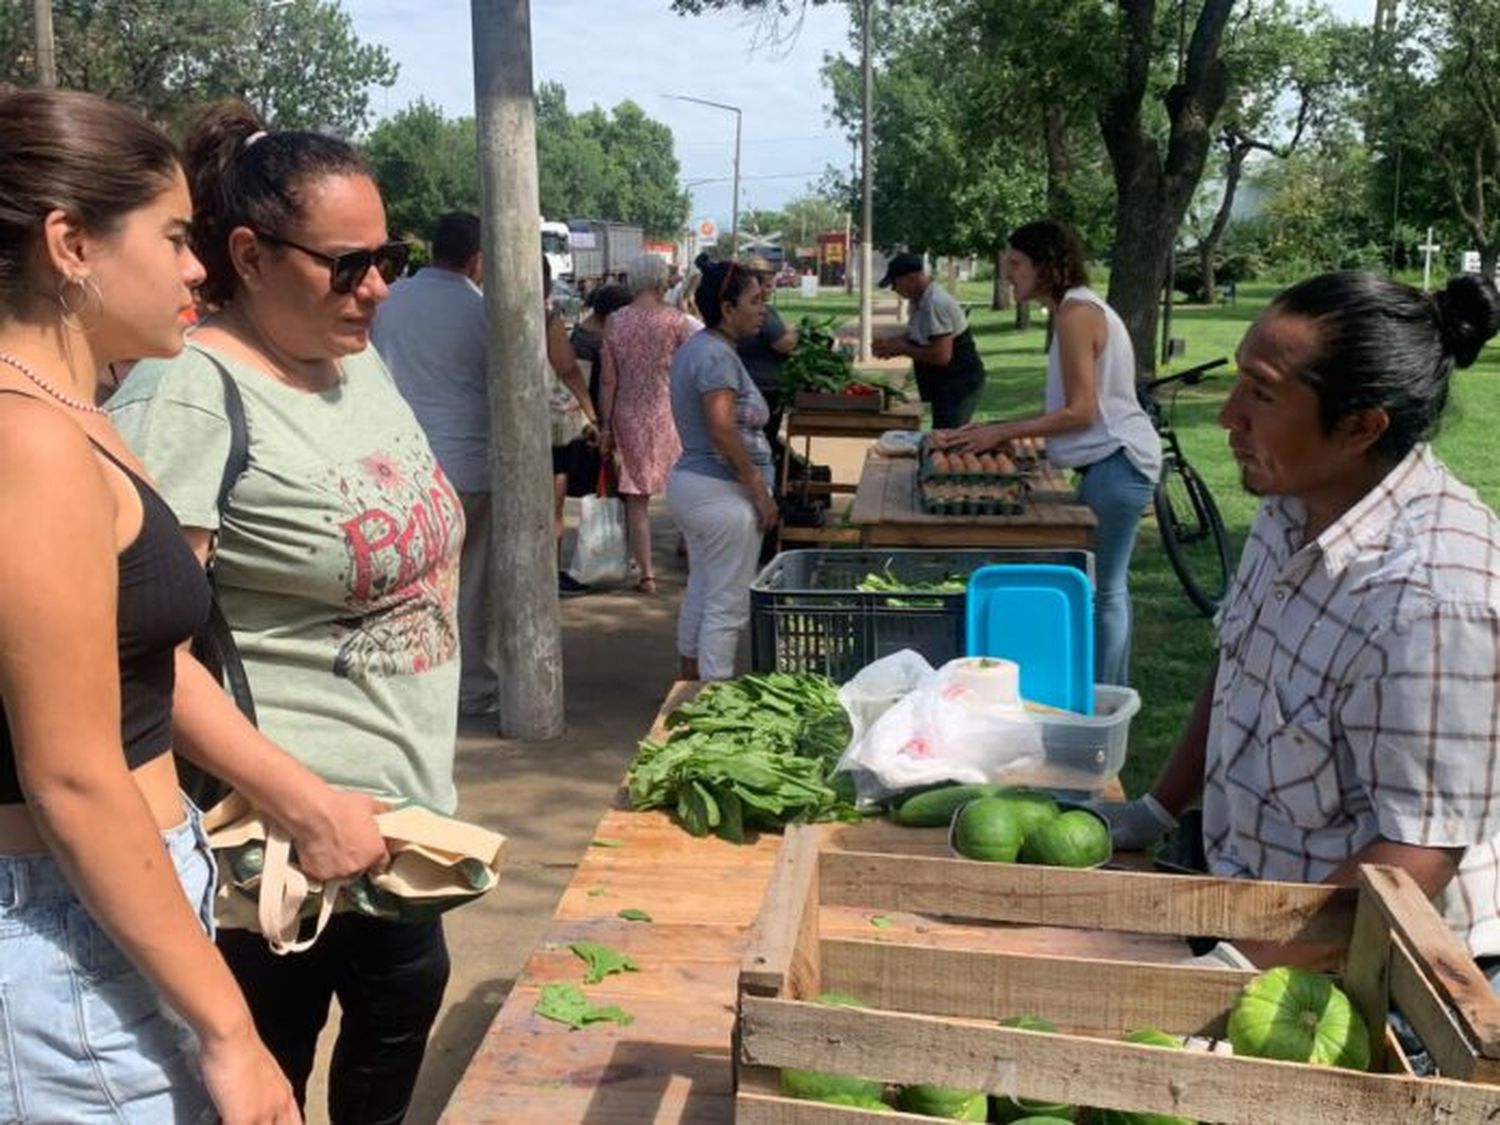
pixel 602 960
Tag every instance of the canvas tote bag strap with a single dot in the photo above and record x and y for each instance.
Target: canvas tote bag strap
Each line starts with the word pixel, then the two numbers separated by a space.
pixel 283 890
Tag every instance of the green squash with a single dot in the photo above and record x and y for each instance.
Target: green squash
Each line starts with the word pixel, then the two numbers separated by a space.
pixel 1299 1016
pixel 945 1102
pixel 989 829
pixel 838 1089
pixel 1076 838
pixel 1015 1110
pixel 1150 1037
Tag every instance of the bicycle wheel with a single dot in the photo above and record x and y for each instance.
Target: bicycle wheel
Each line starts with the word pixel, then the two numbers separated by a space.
pixel 1193 535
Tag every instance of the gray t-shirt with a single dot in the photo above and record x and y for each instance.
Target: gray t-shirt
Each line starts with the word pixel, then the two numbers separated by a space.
pixel 708 363
pixel 935 313
pixel 337 561
pixel 760 356
pixel 431 333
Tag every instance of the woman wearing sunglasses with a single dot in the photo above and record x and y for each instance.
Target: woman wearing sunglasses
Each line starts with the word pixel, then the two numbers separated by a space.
pixel 336 557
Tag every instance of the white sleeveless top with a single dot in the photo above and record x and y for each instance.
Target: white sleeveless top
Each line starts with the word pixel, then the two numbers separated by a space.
pixel 1120 422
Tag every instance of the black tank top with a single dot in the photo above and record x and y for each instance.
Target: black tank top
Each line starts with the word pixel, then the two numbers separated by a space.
pixel 163 599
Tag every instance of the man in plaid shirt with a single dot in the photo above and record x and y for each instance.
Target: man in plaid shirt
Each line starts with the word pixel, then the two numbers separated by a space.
pixel 1353 715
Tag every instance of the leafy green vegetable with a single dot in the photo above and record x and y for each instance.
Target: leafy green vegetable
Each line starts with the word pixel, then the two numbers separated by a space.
pixel 756 752
pixel 602 960
pixel 634 914
pixel 816 364
pixel 566 1003
pixel 607 842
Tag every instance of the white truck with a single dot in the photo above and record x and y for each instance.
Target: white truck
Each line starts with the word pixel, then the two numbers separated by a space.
pixel 556 249
pixel 602 251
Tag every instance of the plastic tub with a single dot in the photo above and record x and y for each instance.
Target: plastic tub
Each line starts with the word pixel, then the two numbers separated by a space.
pixel 1083 753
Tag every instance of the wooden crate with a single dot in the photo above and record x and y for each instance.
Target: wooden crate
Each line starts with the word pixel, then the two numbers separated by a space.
pixel 934 996
pixel 861 404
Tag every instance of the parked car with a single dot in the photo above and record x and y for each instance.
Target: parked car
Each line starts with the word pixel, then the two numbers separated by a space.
pixel 788 278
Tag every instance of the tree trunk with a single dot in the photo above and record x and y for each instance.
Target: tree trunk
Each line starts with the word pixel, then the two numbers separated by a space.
pixel 1234 166
pixel 1059 163
pixel 1152 187
pixel 1000 293
pixel 1489 257
pixel 1023 315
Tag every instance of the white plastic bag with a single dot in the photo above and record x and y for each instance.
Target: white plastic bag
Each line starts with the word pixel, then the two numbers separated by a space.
pixel 878 687
pixel 965 723
pixel 601 557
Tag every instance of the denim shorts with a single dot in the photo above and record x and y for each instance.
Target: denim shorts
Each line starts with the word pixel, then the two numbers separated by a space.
pixel 83 1036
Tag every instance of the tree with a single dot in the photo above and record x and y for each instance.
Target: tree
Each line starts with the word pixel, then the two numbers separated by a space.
pixel 426 165
pixel 617 165
pixel 810 215
pixel 1287 70
pixel 1455 104
pixel 300 63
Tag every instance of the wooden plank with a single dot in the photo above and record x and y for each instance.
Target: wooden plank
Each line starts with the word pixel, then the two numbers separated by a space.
pixel 1446 963
pixel 1366 975
pixel 1066 990
pixel 820 535
pixel 781 955
pixel 769 1109
pixel 898 1047
pixel 1436 1024
pixel 1183 905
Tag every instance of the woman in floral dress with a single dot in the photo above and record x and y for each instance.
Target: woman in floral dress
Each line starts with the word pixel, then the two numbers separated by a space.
pixel 636 416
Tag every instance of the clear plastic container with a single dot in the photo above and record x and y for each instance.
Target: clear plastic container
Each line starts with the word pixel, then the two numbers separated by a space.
pixel 1083 753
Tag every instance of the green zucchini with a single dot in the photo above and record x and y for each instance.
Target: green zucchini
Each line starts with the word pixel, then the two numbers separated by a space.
pixel 935 807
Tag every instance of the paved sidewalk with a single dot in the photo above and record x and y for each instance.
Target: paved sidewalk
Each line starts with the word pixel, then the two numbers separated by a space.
pixel 619 660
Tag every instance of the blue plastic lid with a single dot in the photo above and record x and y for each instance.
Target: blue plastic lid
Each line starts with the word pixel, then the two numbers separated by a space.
pixel 1042 617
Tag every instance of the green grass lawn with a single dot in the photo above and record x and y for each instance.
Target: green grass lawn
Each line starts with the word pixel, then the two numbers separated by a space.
pixel 1173 644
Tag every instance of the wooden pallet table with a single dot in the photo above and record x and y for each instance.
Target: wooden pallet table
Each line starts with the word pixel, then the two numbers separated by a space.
pixel 887 514
pixel 673 1064
pixel 935 993
pixel 842 424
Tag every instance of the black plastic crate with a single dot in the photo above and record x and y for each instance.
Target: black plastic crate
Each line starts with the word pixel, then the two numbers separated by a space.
pixel 807 616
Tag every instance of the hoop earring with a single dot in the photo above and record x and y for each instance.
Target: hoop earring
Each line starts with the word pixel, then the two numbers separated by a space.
pixel 88 288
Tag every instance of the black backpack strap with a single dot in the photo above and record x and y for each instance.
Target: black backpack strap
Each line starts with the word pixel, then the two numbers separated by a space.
pixel 239 434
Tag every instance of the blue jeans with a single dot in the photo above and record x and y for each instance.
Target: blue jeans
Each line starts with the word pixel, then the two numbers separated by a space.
pixel 1117 493
pixel 83 1036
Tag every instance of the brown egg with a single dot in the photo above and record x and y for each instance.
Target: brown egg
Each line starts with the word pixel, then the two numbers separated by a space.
pixel 1004 465
pixel 987 463
pixel 971 463
pixel 939 462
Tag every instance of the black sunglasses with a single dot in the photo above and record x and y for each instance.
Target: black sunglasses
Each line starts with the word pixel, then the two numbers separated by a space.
pixel 347 270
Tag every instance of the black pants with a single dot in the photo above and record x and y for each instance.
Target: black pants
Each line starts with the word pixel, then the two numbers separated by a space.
pixel 954 406
pixel 389 978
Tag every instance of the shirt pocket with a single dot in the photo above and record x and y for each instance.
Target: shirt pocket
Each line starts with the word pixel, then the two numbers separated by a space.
pixel 1301 765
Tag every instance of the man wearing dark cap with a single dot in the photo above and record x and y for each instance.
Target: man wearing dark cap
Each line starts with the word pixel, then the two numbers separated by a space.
pixel 950 374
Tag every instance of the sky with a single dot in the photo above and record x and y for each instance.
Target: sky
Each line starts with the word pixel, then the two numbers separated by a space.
pixel 607 51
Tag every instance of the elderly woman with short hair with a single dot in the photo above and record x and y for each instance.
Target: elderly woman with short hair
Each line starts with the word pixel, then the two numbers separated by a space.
pixel 636 411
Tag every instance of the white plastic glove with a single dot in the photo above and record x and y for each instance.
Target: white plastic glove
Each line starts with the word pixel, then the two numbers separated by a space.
pixel 1135 825
pixel 1221 956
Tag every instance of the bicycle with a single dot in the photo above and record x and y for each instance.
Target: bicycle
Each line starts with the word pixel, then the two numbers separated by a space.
pixel 1192 531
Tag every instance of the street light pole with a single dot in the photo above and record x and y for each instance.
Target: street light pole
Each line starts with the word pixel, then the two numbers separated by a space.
pixel 734 221
pixel 867 216
pixel 46 44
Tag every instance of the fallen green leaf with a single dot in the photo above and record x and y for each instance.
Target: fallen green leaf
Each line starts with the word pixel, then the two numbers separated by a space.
pixel 608 842
pixel 880 921
pixel 595 892
pixel 566 1003
pixel 634 914
pixel 602 960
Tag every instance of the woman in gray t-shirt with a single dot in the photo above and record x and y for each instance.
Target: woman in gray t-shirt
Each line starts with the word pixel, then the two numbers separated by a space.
pixel 720 490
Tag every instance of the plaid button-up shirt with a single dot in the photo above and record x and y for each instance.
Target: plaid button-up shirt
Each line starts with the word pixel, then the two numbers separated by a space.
pixel 1358 693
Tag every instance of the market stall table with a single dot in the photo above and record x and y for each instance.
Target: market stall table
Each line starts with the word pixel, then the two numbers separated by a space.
pixel 673 1062
pixel 887 513
pixel 859 425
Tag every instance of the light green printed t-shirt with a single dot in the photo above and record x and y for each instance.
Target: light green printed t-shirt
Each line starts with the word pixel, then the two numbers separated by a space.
pixel 337 560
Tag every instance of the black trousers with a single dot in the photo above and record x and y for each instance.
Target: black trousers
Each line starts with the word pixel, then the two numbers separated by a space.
pixel 389 978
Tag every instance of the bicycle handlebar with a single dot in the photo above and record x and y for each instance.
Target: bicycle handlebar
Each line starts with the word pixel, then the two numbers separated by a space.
pixel 1189 377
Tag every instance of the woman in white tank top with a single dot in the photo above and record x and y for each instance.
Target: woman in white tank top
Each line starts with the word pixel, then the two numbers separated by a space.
pixel 1092 421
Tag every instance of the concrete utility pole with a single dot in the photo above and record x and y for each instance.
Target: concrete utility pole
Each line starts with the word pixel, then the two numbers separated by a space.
pixel 525 620
pixel 46 44
pixel 867 155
